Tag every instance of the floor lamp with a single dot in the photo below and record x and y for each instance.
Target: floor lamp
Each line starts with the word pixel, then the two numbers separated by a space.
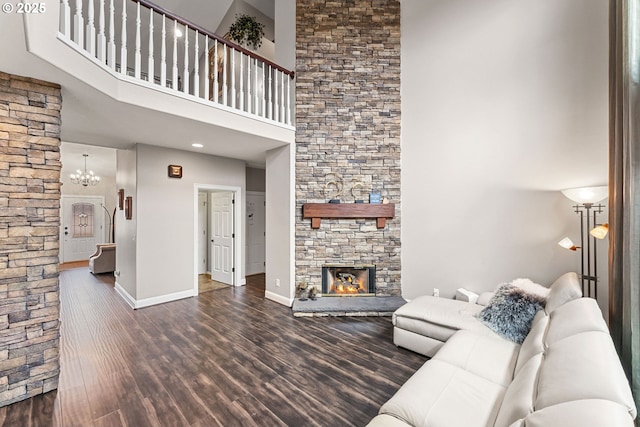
pixel 590 232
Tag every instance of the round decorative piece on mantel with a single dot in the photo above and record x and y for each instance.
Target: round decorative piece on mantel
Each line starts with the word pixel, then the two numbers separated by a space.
pixel 356 191
pixel 333 188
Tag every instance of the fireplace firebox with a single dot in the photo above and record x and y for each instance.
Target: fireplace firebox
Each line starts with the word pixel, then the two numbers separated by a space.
pixel 348 280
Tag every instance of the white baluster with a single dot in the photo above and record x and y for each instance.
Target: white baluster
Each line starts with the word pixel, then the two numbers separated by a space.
pixel 255 88
pixel 102 39
pixel 138 55
pixel 196 65
pixel 241 75
pixel 225 73
pixel 270 92
pixel 264 92
pixel 288 100
pixel 111 52
pixel 249 94
pixel 150 63
pixel 276 105
pixel 91 29
pixel 175 56
pixel 78 25
pixel 163 54
pixel 65 26
pixel 185 72
pixel 123 41
pixel 233 78
pixel 206 68
pixel 216 69
pixel 282 77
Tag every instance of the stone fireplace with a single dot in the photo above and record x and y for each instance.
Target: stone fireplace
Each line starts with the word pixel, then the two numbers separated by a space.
pixel 348 137
pixel 348 280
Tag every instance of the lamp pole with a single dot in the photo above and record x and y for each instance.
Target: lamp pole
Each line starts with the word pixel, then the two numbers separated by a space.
pixel 588 279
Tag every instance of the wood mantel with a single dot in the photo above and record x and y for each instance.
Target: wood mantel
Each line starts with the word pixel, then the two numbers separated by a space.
pixel 318 211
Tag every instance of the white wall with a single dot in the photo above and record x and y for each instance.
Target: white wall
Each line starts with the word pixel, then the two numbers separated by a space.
pixel 279 213
pixel 285 33
pixel 126 247
pixel 165 215
pixel 503 104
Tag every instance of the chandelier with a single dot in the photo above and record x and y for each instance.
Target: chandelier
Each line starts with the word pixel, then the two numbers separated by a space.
pixel 85 178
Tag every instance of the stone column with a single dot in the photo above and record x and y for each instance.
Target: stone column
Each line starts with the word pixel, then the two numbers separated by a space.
pixel 29 237
pixel 348 130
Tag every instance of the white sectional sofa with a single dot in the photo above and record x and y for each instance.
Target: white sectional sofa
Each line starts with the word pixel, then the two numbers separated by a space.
pixel 566 373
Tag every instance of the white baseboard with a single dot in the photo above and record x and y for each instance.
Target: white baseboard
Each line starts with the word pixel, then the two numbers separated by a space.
pixel 125 295
pixel 147 302
pixel 278 298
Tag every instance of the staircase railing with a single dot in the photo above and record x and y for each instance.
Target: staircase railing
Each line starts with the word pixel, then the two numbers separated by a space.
pixel 142 40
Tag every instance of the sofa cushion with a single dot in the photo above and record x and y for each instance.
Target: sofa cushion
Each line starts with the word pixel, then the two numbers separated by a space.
pixel 442 395
pixel 511 311
pixel 438 317
pixel 574 317
pixel 579 413
pixel 534 343
pixel 385 420
pixel 487 356
pixel 520 395
pixel 564 289
pixel 583 366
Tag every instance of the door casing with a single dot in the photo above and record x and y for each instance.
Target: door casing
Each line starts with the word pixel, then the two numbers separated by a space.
pixel 238 274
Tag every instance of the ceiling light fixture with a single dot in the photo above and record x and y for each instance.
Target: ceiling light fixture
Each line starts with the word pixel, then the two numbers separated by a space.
pixel 85 178
pixel 196 145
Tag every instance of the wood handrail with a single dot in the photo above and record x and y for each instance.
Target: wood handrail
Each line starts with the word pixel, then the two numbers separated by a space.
pixel 190 24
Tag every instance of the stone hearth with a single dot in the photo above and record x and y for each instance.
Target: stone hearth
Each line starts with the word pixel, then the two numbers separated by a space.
pixel 347 306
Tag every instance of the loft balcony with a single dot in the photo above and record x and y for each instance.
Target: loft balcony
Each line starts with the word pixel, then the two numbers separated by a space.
pixel 126 64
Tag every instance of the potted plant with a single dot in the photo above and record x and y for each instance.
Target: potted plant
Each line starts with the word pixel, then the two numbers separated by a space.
pixel 247 31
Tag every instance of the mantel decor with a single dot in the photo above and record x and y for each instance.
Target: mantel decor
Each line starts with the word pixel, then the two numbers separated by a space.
pixel 319 211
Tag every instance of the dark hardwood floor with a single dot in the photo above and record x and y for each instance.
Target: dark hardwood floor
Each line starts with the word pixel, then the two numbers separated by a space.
pixel 226 358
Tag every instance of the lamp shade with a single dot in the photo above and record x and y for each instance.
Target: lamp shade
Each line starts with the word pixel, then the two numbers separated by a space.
pixel 587 194
pixel 600 232
pixel 567 244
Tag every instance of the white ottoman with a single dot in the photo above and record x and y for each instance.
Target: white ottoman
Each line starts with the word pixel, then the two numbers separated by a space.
pixel 425 323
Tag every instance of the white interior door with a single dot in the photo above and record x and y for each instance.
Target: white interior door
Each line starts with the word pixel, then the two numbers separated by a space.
pixel 222 237
pixel 202 233
pixel 255 233
pixel 82 222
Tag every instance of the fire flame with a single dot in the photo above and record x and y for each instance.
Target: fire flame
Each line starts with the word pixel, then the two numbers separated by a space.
pixel 346 287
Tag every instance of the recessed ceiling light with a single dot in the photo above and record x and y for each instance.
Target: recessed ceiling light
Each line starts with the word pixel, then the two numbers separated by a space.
pixel 197 145
pixel 178 32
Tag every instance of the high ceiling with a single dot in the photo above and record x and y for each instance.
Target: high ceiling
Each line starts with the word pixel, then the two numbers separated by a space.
pixel 208 14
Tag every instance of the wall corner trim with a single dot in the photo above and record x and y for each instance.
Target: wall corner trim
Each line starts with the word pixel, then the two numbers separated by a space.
pixel 125 295
pixel 278 298
pixel 147 302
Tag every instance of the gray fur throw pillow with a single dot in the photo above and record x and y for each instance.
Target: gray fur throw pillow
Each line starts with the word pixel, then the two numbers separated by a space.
pixel 511 310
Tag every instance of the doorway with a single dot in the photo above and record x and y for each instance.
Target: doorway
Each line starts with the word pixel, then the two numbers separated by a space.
pixel 81 227
pixel 256 227
pixel 218 218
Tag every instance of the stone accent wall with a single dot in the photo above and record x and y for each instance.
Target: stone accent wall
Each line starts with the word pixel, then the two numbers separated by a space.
pixel 348 123
pixel 29 229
